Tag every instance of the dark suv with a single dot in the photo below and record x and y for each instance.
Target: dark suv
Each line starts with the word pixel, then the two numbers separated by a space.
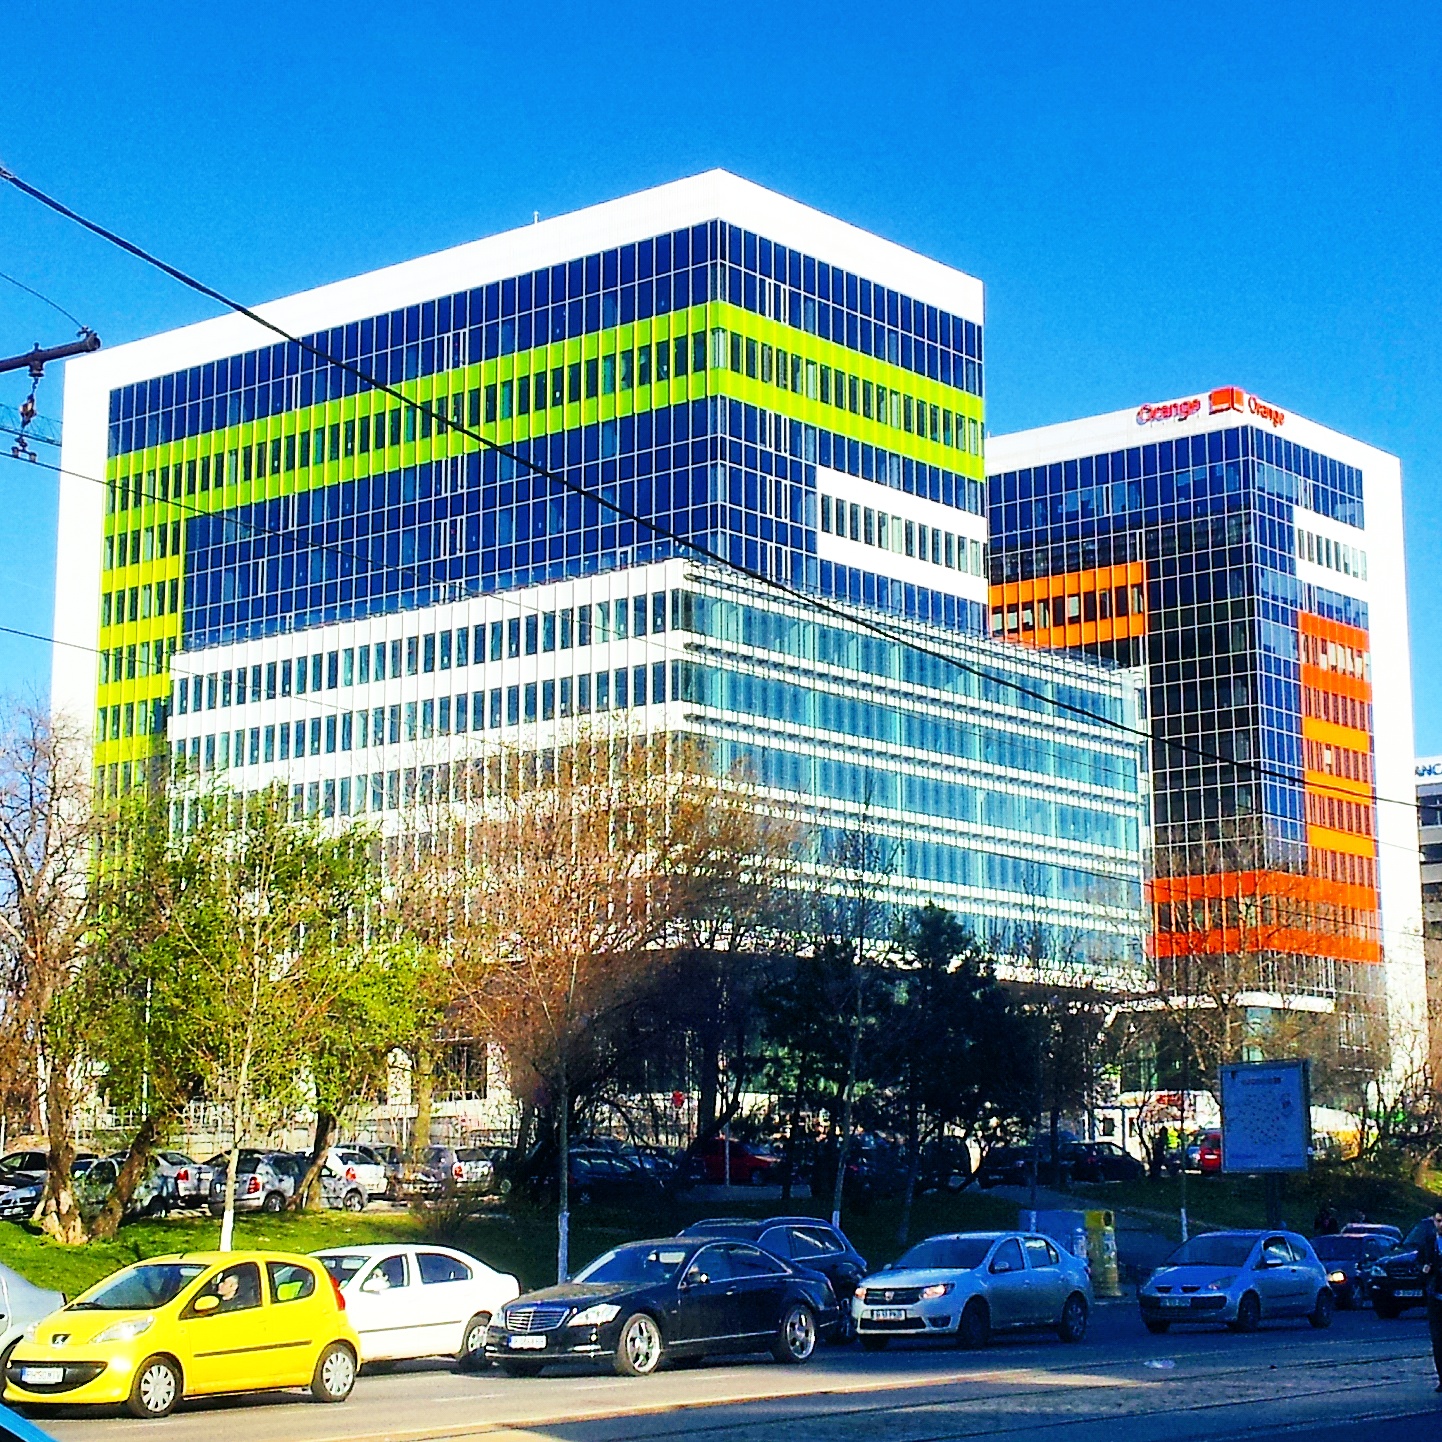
pixel 1396 1282
pixel 809 1242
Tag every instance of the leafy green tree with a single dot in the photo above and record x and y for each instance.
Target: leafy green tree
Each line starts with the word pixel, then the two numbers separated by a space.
pixel 378 1002
pixel 266 906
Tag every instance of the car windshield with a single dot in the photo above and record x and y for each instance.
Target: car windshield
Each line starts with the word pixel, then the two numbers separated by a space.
pixel 642 1265
pixel 1213 1249
pixel 139 1289
pixel 343 1266
pixel 1339 1249
pixel 950 1254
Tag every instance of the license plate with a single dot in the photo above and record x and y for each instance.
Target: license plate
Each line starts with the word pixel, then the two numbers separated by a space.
pixel 1175 1301
pixel 888 1314
pixel 1408 1292
pixel 526 1344
pixel 42 1376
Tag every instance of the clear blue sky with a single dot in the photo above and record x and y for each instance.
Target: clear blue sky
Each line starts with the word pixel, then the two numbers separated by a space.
pixel 1158 198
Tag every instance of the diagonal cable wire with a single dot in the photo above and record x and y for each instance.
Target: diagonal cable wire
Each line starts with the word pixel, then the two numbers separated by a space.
pixel 657 528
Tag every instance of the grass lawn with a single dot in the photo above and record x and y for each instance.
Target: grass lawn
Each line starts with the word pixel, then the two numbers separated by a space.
pixel 1241 1201
pixel 523 1242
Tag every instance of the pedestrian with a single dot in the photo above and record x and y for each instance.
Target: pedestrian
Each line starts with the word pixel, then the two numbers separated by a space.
pixel 1159 1154
pixel 1429 1256
pixel 1325 1223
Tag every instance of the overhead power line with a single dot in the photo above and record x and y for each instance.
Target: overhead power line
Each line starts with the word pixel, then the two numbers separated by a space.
pixel 659 529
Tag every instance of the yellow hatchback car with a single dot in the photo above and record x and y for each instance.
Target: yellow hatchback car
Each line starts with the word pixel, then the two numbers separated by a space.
pixel 188 1326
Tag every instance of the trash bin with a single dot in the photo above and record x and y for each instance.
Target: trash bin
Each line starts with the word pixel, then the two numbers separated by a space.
pixel 1067 1229
pixel 1101 1233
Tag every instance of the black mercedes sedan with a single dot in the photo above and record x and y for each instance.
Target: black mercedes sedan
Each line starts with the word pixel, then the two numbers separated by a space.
pixel 645 1303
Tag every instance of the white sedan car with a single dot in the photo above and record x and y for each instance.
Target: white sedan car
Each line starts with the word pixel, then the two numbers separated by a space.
pixel 354 1166
pixel 419 1301
pixel 967 1285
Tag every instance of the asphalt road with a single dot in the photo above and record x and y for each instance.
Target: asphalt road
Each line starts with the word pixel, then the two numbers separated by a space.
pixel 1364 1380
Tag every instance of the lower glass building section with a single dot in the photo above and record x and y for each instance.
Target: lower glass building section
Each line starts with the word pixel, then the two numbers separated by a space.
pixel 1007 786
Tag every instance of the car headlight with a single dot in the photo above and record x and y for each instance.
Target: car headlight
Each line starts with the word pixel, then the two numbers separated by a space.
pixel 1336 1276
pixel 935 1290
pixel 28 1335
pixel 596 1316
pixel 124 1331
pixel 1219 1284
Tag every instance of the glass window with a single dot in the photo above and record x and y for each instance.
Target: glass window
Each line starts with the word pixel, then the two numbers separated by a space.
pixel 437 1267
pixel 235 1289
pixel 1007 1257
pixel 289 1281
pixel 389 1272
pixel 1041 1253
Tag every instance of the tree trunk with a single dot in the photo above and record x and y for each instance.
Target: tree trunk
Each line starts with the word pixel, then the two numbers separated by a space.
pixel 132 1171
pixel 58 1215
pixel 227 1219
pixel 843 1145
pixel 1058 1177
pixel 310 1195
pixel 788 1172
pixel 913 1169
pixel 422 1088
pixel 563 1175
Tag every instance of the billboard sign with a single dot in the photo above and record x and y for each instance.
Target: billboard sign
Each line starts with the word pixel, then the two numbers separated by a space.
pixel 1266 1116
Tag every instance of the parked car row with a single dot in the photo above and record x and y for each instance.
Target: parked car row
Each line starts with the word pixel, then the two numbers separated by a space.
pixel 199 1324
pixel 265 1180
pixel 1075 1161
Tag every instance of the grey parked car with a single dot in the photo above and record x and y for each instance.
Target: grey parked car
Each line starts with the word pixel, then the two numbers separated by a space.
pixel 1241 1279
pixel 21 1305
pixel 264 1181
pixel 966 1285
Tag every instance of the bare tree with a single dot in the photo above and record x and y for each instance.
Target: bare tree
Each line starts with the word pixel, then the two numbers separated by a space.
pixel 567 900
pixel 45 863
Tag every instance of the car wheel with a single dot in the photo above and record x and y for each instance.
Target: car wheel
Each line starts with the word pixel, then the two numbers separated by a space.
pixel 472 1356
pixel 5 1355
pixel 1249 1313
pixel 520 1369
pixel 796 1341
pixel 354 1201
pixel 1321 1315
pixel 1386 1308
pixel 1073 1324
pixel 273 1202
pixel 583 1199
pixel 874 1344
pixel 334 1374
pixel 155 1390
pixel 1156 1326
pixel 639 1348
pixel 974 1328
pixel 757 1178
pixel 1351 1299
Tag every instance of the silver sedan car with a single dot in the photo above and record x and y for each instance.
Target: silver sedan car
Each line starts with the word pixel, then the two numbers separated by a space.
pixel 1238 1278
pixel 966 1285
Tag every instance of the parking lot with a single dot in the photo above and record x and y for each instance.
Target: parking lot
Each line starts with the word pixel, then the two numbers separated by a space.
pixel 1364 1375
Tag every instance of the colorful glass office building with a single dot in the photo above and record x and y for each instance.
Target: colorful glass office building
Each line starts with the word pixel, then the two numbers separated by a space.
pixel 496 492
pixel 1251 561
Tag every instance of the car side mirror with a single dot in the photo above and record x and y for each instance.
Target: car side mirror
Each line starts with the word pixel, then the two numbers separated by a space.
pixel 206 1304
pixel 1000 1266
pixel 694 1278
pixel 375 1284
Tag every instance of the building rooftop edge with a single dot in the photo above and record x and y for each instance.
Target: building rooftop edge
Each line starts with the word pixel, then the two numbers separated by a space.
pixel 1156 420
pixel 692 200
